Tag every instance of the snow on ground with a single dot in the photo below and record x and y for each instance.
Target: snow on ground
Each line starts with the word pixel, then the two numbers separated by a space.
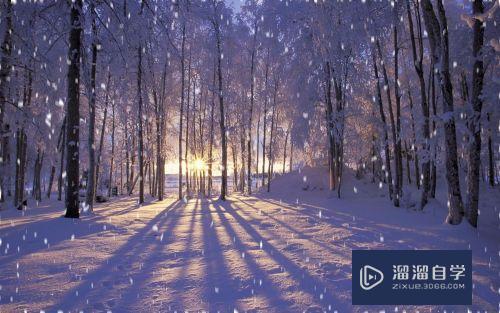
pixel 286 251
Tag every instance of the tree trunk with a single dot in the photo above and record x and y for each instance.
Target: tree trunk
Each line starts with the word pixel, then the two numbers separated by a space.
pixel 111 162
pixel 73 112
pixel 474 149
pixel 5 67
pixel 21 145
pixel 395 182
pixel 235 167
pixel 243 169
pixel 398 154
pixel 140 149
pixel 51 180
pixel 330 128
pixel 103 130
pixel 249 140
pixel 186 150
pixel 438 39
pixel 257 153
pixel 91 178
pixel 222 114
pixel 491 164
pixel 408 172
pixel 264 129
pixel 271 142
pixel 417 61
pixel 181 112
pixel 62 149
pixel 415 149
pixel 284 150
pixel 384 129
pixel 211 143
pixel 160 122
pixel 432 192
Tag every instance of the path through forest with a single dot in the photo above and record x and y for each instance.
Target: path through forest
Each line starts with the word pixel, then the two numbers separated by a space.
pixel 252 254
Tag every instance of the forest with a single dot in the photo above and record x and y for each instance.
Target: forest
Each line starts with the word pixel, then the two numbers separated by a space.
pixel 228 155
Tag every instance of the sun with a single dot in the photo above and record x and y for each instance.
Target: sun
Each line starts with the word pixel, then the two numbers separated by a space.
pixel 199 164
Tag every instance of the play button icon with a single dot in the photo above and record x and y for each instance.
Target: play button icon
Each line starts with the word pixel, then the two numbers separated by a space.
pixel 370 277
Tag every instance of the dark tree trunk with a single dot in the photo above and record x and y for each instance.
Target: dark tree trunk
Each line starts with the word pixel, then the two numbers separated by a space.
pixel 271 139
pixel 62 149
pixel 257 153
pixel 140 149
pixel 408 172
pixel 5 67
pixel 51 180
pixel 415 149
pixel 21 147
pixel 432 192
pixel 73 112
pixel 384 129
pixel 330 128
pixel 417 61
pixel 127 156
pixel 491 164
pixel 438 40
pixel 181 112
pixel 264 129
pixel 395 182
pixel 284 150
pixel 474 149
pixel 101 139
pixel 397 95
pixel 221 112
pixel 111 162
pixel 249 139
pixel 211 143
pixel 186 149
pixel 91 178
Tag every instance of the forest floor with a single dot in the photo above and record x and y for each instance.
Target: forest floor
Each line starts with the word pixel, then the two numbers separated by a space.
pixel 287 251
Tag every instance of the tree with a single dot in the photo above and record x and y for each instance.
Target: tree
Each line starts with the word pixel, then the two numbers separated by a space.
pixel 91 178
pixel 181 111
pixel 73 112
pixel 418 55
pixel 474 124
pixel 222 124
pixel 5 68
pixel 388 170
pixel 140 150
pixel 438 40
pixel 252 82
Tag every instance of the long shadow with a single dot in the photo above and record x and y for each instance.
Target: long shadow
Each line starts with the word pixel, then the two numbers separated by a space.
pixel 186 258
pixel 312 285
pixel 154 255
pixel 221 291
pixel 44 229
pixel 314 216
pixel 55 230
pixel 301 233
pixel 366 234
pixel 132 249
pixel 269 290
pixel 367 231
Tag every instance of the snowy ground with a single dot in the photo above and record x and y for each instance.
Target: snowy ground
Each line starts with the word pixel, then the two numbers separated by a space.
pixel 287 251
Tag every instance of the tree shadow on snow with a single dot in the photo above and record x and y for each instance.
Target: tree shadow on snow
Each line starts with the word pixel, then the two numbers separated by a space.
pixel 322 292
pixel 100 284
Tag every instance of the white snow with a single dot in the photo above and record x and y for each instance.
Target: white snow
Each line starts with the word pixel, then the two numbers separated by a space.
pixel 271 252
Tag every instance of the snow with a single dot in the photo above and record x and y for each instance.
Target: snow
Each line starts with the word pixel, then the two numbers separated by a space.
pixel 284 251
